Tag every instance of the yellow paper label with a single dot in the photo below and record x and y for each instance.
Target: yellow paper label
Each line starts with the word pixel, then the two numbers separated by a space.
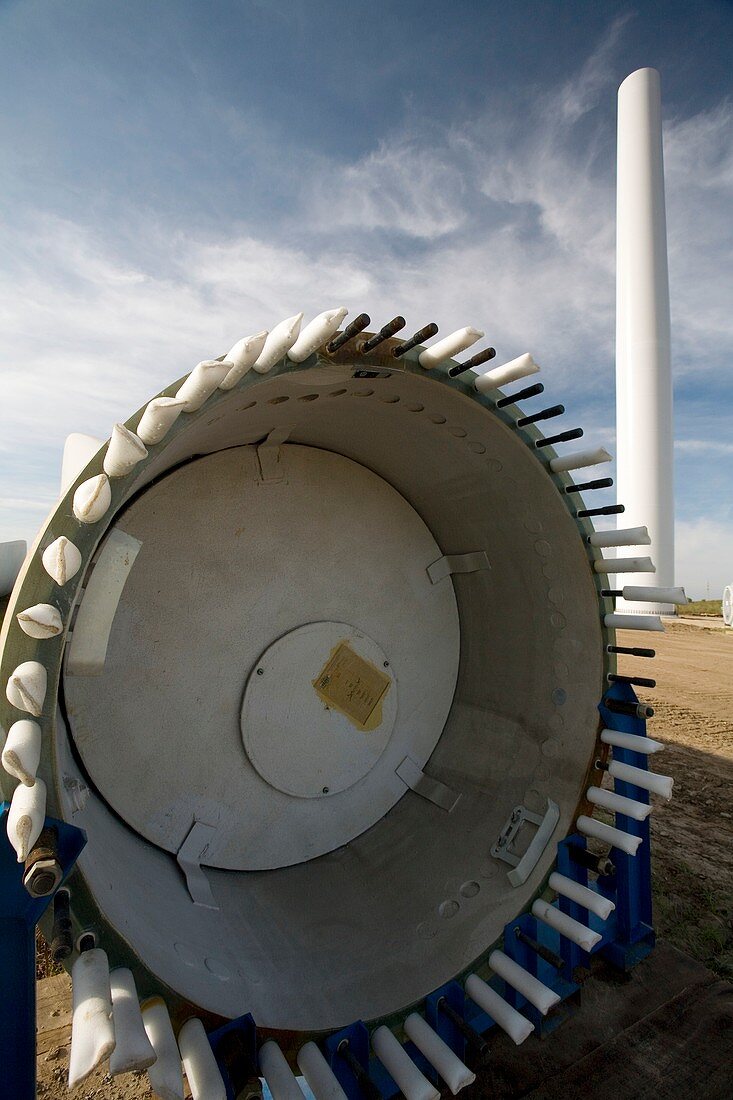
pixel 353 686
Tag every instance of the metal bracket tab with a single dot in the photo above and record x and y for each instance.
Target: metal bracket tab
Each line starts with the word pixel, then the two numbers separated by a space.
pixel 458 563
pixel 268 455
pixel 189 857
pixel 524 865
pixel 431 789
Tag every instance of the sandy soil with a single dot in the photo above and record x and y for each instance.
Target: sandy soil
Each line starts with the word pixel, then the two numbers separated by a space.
pixel 693 835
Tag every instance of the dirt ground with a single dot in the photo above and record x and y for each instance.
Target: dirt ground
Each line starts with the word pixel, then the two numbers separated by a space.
pixel 692 835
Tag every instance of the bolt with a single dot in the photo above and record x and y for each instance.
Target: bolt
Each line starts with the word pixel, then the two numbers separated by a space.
pixel 42 872
pixel 62 943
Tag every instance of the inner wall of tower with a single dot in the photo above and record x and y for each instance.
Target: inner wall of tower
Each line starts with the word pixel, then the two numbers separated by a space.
pixel 355 901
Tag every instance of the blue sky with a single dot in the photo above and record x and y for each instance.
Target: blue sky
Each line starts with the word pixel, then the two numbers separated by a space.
pixel 175 175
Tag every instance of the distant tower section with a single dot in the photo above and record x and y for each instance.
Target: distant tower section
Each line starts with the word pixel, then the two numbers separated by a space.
pixel 644 439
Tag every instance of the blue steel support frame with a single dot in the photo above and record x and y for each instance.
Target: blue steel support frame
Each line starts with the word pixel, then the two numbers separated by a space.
pixel 560 981
pixel 19 915
pixel 235 1048
pixel 452 993
pixel 357 1036
pixel 634 937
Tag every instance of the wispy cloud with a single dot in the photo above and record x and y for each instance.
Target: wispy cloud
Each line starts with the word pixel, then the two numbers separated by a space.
pixel 699 172
pixel 581 94
pixel 402 186
pixel 704 446
pixel 503 221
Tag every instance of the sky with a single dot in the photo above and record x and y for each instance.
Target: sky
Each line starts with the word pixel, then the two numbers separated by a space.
pixel 177 174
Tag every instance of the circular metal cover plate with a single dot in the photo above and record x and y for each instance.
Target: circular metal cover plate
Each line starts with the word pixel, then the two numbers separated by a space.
pixel 234 555
pixel 319 709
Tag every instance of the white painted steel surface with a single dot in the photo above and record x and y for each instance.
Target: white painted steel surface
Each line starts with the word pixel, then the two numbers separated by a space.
pixel 79 450
pixel 643 368
pixel 12 556
pixel 727 603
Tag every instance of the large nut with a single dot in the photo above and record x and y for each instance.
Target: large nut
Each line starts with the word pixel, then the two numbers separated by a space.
pixel 43 877
pixel 43 872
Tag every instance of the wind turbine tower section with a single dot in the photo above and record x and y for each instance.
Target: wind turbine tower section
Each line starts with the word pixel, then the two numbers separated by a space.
pixel 643 368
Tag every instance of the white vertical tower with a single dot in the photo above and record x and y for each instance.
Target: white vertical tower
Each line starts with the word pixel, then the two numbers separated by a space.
pixel 643 369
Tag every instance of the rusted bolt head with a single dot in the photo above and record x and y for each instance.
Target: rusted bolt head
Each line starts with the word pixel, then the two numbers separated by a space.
pixel 43 877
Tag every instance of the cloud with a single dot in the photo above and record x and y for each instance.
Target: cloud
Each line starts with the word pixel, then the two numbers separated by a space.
pixel 502 221
pixel 698 155
pixel 401 186
pixel 704 557
pixel 580 94
pixel 515 217
pixel 703 446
